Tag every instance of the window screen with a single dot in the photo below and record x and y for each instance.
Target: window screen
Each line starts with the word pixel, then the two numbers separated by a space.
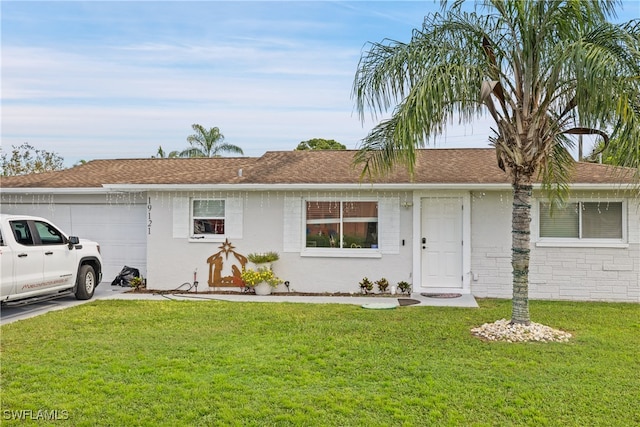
pixel 602 220
pixel 582 220
pixel 208 217
pixel 348 225
pixel 561 222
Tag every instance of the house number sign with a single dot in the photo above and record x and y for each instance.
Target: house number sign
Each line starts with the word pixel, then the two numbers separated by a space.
pixel 149 216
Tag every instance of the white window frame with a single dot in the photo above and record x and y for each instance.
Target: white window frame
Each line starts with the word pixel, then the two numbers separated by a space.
pixel 207 237
pixel 579 241
pixel 339 252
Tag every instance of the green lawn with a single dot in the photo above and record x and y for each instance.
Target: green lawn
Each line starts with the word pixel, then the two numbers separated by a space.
pixel 126 363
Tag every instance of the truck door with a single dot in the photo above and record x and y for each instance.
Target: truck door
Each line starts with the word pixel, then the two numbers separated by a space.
pixel 6 268
pixel 27 259
pixel 59 262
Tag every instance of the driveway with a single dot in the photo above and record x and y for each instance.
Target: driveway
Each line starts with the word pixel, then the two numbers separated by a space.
pixel 12 314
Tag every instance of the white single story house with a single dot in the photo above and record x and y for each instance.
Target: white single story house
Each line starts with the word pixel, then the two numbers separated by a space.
pixel 447 229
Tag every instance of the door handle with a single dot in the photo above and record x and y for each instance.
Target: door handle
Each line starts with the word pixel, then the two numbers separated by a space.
pixel 424 243
pixel 22 255
pixel 48 253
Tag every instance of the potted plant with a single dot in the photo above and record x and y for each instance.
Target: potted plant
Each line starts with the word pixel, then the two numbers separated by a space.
pixel 404 287
pixel 263 280
pixel 263 259
pixel 365 285
pixel 383 285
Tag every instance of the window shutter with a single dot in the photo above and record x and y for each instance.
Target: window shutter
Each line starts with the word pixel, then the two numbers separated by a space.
pixel 180 217
pixel 233 217
pixel 292 237
pixel 389 225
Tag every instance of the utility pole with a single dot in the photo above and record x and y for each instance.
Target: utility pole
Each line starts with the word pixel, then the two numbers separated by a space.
pixel 579 148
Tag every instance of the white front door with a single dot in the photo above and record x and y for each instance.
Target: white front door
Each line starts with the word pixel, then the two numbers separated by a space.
pixel 441 242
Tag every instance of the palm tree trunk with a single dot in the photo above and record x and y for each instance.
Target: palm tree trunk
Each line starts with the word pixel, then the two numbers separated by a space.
pixel 520 239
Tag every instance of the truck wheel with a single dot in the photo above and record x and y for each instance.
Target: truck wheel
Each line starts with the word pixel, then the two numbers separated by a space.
pixel 86 282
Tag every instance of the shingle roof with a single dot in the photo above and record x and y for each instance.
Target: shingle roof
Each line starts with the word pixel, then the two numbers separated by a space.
pixel 443 166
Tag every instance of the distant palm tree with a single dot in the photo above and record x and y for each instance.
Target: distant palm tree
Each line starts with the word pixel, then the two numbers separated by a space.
pixel 542 69
pixel 207 143
pixel 162 154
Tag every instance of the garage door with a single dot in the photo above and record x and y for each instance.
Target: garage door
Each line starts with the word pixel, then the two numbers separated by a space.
pixel 119 229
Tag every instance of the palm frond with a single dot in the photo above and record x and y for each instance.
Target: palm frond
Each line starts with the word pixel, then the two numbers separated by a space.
pixel 556 171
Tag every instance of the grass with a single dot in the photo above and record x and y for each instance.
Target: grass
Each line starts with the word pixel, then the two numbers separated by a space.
pixel 197 363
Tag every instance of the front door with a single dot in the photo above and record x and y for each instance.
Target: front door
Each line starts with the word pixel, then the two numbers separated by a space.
pixel 441 242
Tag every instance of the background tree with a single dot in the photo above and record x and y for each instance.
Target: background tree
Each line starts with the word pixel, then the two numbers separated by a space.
pixel 161 154
pixel 25 159
pixel 208 143
pixel 541 69
pixel 320 144
pixel 619 152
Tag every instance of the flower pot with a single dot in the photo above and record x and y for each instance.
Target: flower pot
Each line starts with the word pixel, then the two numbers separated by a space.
pixel 263 288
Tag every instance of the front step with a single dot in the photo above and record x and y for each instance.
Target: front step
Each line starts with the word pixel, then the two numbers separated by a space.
pixel 32 300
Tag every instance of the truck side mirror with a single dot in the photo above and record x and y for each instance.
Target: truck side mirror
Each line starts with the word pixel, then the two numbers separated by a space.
pixel 73 240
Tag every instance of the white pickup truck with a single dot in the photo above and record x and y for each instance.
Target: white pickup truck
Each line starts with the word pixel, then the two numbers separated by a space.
pixel 39 262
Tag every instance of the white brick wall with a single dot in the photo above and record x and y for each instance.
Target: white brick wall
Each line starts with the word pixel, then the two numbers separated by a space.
pixel 559 273
pixel 585 274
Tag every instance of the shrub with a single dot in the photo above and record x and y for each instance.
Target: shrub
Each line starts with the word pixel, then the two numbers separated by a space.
pixel 365 285
pixel 383 285
pixel 404 287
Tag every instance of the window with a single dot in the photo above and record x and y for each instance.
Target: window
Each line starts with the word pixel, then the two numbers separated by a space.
pixel 346 225
pixel 582 220
pixel 208 218
pixel 48 234
pixel 21 232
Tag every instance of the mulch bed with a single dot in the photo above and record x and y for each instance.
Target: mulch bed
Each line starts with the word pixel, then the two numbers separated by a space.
pixel 239 292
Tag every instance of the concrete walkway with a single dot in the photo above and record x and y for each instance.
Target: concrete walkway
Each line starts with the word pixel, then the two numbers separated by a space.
pixel 461 301
pixel 105 291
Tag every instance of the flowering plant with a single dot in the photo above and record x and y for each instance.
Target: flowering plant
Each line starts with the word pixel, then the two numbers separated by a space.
pixel 252 277
pixel 258 258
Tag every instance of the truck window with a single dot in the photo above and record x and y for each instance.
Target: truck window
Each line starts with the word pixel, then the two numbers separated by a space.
pixel 21 232
pixel 48 234
pixel 1 239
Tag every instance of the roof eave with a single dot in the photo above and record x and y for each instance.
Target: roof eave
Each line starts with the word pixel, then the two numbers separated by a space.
pixel 137 188
pixel 350 186
pixel 55 190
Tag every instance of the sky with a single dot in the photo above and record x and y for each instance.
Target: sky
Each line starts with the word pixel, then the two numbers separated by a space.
pixel 117 79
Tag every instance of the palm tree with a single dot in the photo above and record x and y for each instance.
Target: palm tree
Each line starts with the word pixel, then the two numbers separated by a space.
pixel 207 143
pixel 541 69
pixel 161 154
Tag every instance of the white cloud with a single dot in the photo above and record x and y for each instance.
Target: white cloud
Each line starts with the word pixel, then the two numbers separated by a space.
pixel 134 81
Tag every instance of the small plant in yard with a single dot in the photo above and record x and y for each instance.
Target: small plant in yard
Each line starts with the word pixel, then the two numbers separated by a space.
pixel 366 285
pixel 263 257
pixel 383 285
pixel 137 283
pixel 404 287
pixel 252 277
